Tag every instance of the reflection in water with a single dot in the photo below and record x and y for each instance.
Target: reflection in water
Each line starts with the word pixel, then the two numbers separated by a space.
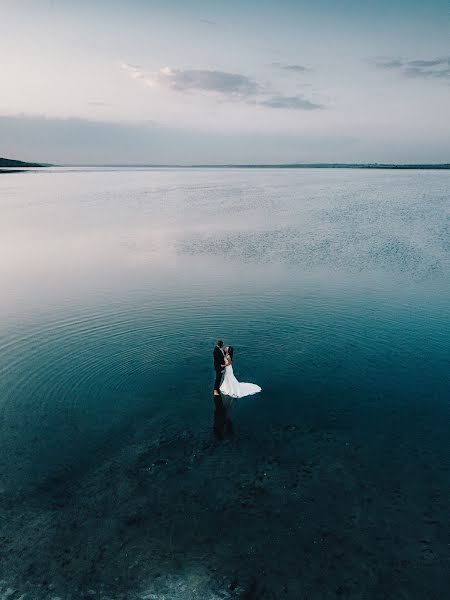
pixel 223 426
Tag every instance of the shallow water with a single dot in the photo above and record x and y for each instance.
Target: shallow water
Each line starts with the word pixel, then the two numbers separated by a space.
pixel 333 288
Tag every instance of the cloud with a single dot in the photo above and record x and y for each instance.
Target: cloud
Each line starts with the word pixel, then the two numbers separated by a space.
pixel 218 82
pixel 97 103
pixel 296 68
pixel 393 63
pixel 428 63
pixel 426 73
pixel 292 68
pixel 208 22
pixel 223 85
pixel 290 102
pixel 435 68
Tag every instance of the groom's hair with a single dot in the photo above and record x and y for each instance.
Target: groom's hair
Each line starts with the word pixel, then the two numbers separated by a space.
pixel 220 343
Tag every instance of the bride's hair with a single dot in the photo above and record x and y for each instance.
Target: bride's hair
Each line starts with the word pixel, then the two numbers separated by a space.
pixel 230 352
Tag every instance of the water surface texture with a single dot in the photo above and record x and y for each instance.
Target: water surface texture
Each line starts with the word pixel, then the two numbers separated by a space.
pixel 333 288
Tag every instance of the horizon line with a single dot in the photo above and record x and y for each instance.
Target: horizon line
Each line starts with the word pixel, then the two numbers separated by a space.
pixel 317 165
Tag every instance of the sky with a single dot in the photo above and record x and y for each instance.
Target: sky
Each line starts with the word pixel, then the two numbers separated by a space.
pixel 185 82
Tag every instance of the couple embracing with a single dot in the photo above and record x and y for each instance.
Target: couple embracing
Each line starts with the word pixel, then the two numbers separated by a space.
pixel 223 365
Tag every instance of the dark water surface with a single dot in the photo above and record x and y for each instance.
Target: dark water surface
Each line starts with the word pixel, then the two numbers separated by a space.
pixel 333 287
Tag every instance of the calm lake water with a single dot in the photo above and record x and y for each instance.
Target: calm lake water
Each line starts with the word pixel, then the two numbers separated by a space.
pixel 333 288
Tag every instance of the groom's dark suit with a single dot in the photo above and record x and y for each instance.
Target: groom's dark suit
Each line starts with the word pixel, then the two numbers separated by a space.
pixel 219 360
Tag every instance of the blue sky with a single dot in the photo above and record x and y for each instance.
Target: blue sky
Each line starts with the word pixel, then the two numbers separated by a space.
pixel 185 82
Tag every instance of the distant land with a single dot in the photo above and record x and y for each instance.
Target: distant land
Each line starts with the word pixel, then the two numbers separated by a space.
pixel 10 163
pixel 340 166
pixel 274 166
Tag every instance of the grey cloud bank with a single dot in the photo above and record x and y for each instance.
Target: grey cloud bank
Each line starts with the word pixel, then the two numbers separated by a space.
pixel 80 141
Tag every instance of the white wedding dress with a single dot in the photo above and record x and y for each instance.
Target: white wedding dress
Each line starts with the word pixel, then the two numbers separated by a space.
pixel 234 388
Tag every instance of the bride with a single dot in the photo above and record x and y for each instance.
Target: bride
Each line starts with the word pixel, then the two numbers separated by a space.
pixel 230 385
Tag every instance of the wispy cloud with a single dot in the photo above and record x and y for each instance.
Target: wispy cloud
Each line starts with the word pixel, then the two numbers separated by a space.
pixel 391 63
pixel 98 103
pixel 290 102
pixel 221 84
pixel 296 68
pixel 429 63
pixel 292 68
pixel 435 68
pixel 208 22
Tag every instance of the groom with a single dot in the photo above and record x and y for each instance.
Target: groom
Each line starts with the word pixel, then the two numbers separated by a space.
pixel 219 360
